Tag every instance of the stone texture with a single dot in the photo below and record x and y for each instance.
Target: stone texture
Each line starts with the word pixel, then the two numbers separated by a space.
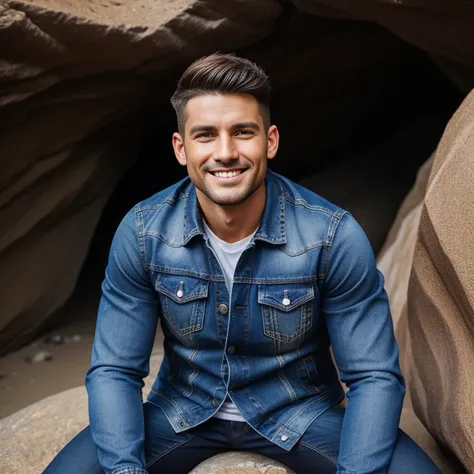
pixel 84 81
pixel 30 438
pixel 75 89
pixel 439 321
pixel 396 256
pixel 443 28
pixel 240 463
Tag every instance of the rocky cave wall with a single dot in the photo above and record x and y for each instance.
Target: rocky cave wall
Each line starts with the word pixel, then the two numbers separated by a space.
pixel 359 98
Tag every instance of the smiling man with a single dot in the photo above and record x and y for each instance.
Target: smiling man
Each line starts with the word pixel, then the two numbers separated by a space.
pixel 253 279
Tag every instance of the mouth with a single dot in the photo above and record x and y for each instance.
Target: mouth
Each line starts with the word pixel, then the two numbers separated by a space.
pixel 228 176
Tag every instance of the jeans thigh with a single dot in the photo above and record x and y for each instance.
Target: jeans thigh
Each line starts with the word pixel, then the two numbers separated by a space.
pixel 80 454
pixel 409 458
pixel 318 448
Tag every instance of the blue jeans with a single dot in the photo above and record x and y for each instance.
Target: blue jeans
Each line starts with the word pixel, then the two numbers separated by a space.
pixel 168 452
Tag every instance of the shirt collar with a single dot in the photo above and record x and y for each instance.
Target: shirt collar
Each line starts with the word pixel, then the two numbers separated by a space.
pixel 272 225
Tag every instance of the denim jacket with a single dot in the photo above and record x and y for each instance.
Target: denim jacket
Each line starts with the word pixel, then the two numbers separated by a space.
pixel 306 281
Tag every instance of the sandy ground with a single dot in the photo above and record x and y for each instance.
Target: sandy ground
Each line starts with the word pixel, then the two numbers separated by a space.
pixel 23 382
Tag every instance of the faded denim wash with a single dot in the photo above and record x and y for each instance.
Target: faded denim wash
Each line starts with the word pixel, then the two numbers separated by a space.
pixel 306 281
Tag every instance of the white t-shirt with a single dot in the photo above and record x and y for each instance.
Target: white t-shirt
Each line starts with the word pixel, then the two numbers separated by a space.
pixel 228 256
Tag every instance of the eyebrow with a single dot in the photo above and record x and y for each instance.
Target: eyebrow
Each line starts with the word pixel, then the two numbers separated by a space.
pixel 235 126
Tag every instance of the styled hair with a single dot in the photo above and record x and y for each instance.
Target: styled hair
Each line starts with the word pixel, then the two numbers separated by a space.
pixel 221 73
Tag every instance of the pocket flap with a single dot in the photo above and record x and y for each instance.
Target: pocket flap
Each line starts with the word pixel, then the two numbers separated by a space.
pixel 181 288
pixel 285 297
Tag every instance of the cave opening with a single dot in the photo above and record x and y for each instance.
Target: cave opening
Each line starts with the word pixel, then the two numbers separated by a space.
pixel 359 110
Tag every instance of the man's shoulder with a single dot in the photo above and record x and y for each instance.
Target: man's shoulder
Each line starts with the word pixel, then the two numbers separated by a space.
pixel 165 205
pixel 170 195
pixel 302 197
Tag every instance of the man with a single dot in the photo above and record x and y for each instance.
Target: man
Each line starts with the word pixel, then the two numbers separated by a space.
pixel 253 279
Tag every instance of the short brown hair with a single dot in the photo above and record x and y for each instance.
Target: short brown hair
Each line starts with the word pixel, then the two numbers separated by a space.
pixel 222 74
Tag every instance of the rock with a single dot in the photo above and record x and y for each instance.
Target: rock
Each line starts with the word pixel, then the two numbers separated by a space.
pixel 240 463
pixel 404 17
pixel 396 256
pixel 439 321
pixel 30 438
pixel 55 339
pixel 40 356
pixel 72 118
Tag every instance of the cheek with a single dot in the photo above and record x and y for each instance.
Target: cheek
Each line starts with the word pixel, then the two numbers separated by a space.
pixel 253 150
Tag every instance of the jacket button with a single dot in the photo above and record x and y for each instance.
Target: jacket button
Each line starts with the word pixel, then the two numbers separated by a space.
pixel 286 301
pixel 284 438
pixel 223 308
pixel 182 423
pixel 230 350
pixel 215 402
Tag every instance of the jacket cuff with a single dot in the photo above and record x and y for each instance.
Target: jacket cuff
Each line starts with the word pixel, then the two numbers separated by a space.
pixel 129 470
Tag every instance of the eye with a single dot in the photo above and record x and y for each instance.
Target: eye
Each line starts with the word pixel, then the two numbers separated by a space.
pixel 244 132
pixel 204 135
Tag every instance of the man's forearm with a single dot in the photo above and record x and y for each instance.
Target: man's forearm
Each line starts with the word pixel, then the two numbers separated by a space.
pixel 370 426
pixel 117 420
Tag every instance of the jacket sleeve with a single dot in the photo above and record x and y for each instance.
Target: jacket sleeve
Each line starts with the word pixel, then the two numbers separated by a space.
pixel 125 332
pixel 358 319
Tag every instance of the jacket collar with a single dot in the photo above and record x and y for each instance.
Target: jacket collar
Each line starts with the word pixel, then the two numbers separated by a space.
pixel 272 225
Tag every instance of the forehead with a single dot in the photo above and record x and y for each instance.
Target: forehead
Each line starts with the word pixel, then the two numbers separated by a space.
pixel 221 109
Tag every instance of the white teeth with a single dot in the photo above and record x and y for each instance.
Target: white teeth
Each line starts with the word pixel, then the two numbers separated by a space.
pixel 225 174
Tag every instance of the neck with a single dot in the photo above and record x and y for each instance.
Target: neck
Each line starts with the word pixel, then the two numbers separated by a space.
pixel 233 223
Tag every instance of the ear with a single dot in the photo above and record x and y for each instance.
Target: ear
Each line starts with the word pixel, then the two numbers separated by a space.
pixel 178 147
pixel 273 138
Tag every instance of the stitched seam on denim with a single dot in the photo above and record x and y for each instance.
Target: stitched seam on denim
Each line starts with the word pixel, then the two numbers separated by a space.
pixel 237 279
pixel 270 418
pixel 274 303
pixel 169 199
pixel 305 249
pixel 331 236
pixel 276 281
pixel 141 244
pixel 159 456
pixel 301 410
pixel 312 207
pixel 193 375
pixel 184 272
pixel 196 295
pixel 279 336
pixel 171 401
pixel 159 237
pixel 322 453
pixel 286 384
pixel 181 331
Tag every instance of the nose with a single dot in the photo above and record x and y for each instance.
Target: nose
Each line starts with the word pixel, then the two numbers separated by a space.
pixel 225 149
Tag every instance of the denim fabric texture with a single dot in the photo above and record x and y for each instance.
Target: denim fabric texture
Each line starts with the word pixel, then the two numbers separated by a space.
pixel 168 452
pixel 306 281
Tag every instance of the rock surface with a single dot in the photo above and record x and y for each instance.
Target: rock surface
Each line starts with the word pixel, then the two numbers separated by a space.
pixel 443 28
pixel 439 321
pixel 85 79
pixel 73 95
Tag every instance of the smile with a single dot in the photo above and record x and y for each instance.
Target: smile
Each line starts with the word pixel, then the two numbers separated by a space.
pixel 227 174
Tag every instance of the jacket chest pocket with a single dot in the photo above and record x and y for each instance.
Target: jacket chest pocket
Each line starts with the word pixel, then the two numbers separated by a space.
pixel 287 310
pixel 183 302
